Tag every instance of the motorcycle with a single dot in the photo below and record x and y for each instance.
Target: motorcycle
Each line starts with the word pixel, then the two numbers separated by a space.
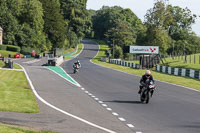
pixel 147 91
pixel 76 68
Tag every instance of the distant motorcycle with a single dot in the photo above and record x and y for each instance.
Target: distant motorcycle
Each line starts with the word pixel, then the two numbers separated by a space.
pixel 147 91
pixel 76 68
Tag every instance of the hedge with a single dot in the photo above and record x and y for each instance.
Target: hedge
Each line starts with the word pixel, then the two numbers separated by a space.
pixel 13 48
pixel 28 50
pixel 3 47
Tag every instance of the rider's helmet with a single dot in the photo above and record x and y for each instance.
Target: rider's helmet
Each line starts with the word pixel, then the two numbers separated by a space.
pixel 78 61
pixel 148 73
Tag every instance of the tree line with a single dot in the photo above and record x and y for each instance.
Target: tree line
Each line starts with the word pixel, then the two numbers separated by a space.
pixel 165 25
pixel 49 24
pixel 44 24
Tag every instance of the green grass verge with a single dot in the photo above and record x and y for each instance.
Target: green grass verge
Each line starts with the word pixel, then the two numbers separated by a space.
pixel 5 53
pixel 14 129
pixel 179 62
pixel 188 82
pixel 15 93
pixel 3 65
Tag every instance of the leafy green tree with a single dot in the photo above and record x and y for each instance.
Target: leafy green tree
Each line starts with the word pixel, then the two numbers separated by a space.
pixel 54 23
pixel 8 19
pixel 121 35
pixel 78 17
pixel 32 26
pixel 182 22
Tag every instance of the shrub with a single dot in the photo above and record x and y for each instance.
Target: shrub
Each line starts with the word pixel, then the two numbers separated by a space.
pixel 3 47
pixel 28 50
pixel 13 48
pixel 118 53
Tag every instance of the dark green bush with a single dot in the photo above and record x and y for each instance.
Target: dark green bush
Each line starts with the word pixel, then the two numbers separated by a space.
pixel 3 47
pixel 28 50
pixel 13 48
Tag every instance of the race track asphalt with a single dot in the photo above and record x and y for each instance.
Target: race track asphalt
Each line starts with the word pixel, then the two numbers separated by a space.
pixel 172 109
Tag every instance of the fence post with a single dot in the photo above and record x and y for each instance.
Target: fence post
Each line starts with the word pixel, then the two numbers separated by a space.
pixel 169 70
pixel 176 71
pixel 192 73
pixel 183 72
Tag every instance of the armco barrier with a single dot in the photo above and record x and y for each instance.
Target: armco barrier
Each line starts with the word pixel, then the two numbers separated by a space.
pixel 179 71
pixel 124 63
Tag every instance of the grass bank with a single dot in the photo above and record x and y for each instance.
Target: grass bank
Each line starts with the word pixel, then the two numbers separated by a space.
pixel 5 53
pixel 14 129
pixel 15 93
pixel 188 82
pixel 193 61
pixel 3 65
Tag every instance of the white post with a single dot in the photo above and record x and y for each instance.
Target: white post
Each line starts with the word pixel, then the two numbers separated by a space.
pixel 169 70
pixel 176 71
pixel 163 69
pixel 183 72
pixel 192 73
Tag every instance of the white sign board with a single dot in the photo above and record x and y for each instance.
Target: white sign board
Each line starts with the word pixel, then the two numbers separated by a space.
pixel 144 49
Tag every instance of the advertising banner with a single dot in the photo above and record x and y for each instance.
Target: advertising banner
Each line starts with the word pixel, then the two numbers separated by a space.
pixel 144 49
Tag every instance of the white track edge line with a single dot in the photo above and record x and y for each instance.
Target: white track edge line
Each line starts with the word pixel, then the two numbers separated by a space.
pixel 52 106
pixel 64 77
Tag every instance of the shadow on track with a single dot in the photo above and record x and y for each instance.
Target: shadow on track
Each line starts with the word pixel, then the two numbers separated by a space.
pixel 117 101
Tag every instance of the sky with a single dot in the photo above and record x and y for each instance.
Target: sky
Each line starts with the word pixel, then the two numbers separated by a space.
pixel 140 7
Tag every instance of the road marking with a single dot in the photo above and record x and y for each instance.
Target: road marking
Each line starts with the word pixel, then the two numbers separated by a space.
pixel 115 114
pixel 130 125
pixel 32 61
pixel 100 102
pixel 96 99
pixel 86 92
pixel 104 105
pixel 138 132
pixel 121 119
pixel 82 89
pixel 109 109
pixel 93 96
pixel 62 111
pixel 63 74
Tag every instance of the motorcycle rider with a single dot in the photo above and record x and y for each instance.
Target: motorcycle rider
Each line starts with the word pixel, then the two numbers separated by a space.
pixel 77 63
pixel 146 76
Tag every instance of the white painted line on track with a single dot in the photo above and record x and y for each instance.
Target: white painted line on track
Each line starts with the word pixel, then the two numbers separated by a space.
pixel 130 125
pixel 121 119
pixel 104 105
pixel 109 109
pixel 32 61
pixel 96 99
pixel 115 114
pixel 86 92
pixel 138 132
pixel 82 89
pixel 100 102
pixel 62 111
pixel 76 84
pixel 93 96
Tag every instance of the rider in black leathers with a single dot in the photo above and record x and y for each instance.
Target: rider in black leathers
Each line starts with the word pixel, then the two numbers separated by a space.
pixel 146 76
pixel 77 63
